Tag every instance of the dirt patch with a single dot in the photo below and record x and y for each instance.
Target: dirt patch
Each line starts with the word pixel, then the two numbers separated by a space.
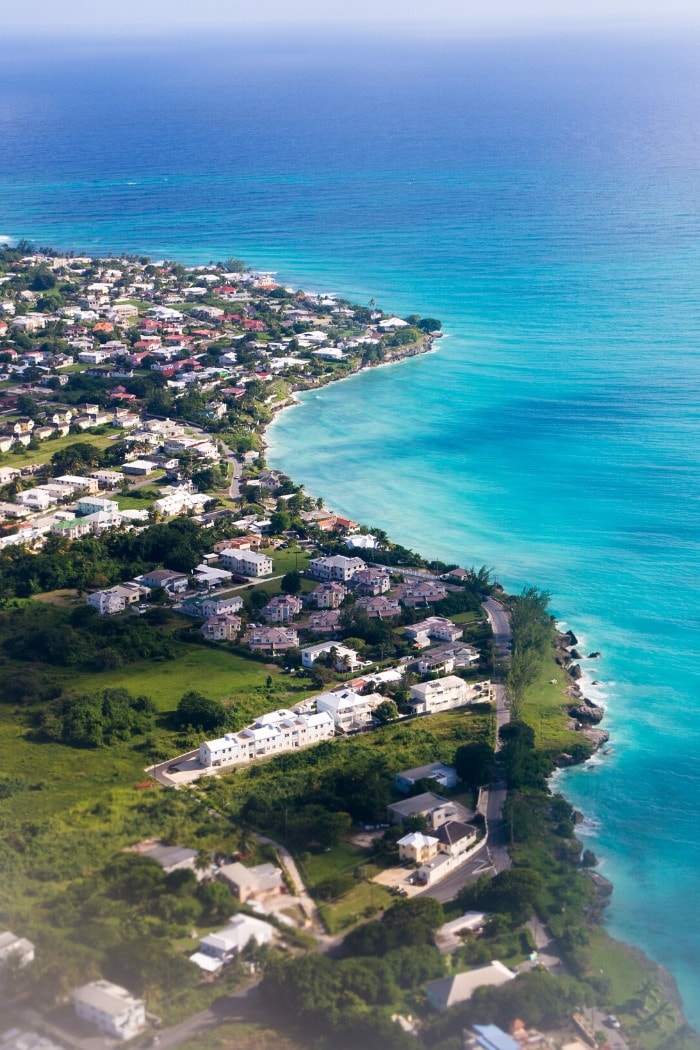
pixel 64 598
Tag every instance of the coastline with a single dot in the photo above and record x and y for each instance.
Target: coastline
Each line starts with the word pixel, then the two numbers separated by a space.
pixel 393 357
pixel 572 691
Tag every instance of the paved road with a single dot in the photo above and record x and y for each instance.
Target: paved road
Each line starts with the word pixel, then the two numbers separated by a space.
pixel 500 625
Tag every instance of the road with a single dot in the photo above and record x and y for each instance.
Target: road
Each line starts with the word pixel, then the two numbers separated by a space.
pixel 500 625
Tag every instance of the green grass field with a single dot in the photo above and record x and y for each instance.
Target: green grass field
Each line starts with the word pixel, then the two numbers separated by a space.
pixel 47 448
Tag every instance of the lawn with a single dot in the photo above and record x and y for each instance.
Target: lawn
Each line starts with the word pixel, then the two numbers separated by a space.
pixel 364 898
pixel 288 559
pixel 545 709
pixel 47 448
pixel 467 617
pixel 212 670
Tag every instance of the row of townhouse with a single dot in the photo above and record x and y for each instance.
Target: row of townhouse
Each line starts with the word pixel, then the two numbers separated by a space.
pixel 271 733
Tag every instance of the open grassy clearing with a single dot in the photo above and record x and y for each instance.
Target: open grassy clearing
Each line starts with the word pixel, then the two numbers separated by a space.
pixel 545 709
pixel 47 448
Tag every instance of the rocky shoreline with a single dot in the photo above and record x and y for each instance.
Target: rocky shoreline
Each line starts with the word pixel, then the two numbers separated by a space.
pixel 584 714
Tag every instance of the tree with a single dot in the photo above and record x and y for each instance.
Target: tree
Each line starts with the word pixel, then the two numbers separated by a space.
pixel 387 711
pixel 474 764
pixel 198 711
pixel 291 582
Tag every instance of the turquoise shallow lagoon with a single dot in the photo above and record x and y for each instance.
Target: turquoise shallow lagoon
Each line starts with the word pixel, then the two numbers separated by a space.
pixel 541 198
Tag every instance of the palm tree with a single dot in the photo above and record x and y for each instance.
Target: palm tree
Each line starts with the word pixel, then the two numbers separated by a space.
pixel 202 861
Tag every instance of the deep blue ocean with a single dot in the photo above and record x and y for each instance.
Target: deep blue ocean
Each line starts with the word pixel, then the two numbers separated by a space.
pixel 541 198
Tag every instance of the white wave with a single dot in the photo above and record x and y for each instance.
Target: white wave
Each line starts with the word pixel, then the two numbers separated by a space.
pixel 589 828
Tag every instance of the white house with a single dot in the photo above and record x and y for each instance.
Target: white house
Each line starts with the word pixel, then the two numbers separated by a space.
pixel 345 659
pixel 116 599
pixel 15 949
pixel 247 563
pixel 112 1009
pixel 440 695
pixel 450 991
pixel 95 504
pixel 348 709
pixel 445 776
pixel 434 628
pixel 335 567
pixel 225 944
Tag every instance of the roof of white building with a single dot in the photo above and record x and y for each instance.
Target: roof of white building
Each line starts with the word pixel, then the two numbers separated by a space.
pixel 106 997
pixel 417 840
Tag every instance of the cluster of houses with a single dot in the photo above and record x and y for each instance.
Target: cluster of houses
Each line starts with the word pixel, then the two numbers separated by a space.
pixel 127 315
pixel 74 506
pixel 344 709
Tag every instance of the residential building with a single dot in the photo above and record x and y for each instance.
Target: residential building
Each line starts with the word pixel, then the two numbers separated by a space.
pixel 379 608
pixel 169 858
pixel 371 581
pixel 15 949
pixel 343 658
pixel 95 504
pixel 112 1009
pixel 204 608
pixel 361 542
pixel 327 622
pixel 435 809
pixel 170 581
pixel 221 628
pixel 218 948
pixel 255 883
pixel 417 847
pixel 276 731
pixel 450 991
pixel 272 640
pixel 251 542
pixel 246 562
pixel 446 657
pixel 419 594
pixel 180 500
pixel 35 499
pixel 434 628
pixel 445 776
pixel 206 576
pixel 442 694
pixel 328 595
pixel 348 709
pixel 281 609
pixel 456 838
pixel 71 528
pixel 114 600
pixel 491 1037
pixel 108 479
pixel 335 567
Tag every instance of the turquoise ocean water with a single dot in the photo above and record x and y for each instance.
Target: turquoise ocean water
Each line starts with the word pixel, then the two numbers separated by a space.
pixel 541 198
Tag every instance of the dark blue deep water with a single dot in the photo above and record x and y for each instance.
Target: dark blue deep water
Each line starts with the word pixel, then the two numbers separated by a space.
pixel 541 197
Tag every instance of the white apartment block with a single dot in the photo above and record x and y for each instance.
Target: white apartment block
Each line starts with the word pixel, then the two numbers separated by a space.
pixel 112 1009
pixel 270 734
pixel 335 567
pixel 440 695
pixel 247 563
